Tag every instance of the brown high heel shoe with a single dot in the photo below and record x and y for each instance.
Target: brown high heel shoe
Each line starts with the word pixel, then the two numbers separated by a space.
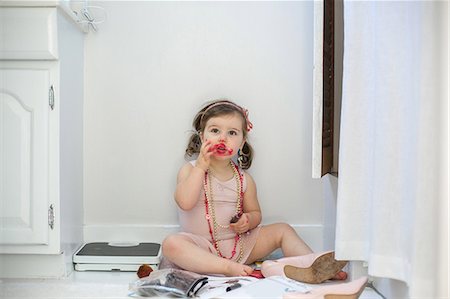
pixel 311 268
pixel 349 290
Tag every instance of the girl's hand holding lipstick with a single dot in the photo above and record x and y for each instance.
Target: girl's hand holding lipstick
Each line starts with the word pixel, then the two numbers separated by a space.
pixel 242 225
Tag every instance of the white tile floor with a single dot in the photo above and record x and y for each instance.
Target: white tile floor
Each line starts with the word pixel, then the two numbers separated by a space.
pixel 77 285
pixel 84 285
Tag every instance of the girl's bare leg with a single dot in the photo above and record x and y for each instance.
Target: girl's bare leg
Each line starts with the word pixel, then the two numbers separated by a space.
pixel 183 252
pixel 278 235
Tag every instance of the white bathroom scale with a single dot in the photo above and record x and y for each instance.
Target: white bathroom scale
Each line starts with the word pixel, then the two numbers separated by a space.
pixel 103 256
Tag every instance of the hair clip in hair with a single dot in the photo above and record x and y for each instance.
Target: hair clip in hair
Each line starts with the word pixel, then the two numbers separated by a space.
pixel 249 123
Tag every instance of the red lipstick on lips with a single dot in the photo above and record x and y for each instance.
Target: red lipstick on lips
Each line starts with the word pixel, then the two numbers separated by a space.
pixel 221 149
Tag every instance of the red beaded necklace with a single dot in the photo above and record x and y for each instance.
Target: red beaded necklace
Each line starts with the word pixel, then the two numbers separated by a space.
pixel 210 213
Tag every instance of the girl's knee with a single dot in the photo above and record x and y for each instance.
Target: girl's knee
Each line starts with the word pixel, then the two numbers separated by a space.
pixel 170 245
pixel 284 227
pixel 283 230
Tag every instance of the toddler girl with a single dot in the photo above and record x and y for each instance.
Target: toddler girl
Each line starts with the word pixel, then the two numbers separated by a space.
pixel 217 201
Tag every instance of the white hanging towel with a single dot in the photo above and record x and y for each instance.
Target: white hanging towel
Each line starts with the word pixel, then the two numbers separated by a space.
pixel 388 190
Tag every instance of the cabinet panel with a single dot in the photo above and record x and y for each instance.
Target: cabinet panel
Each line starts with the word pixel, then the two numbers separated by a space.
pixel 24 142
pixel 28 33
pixel 15 135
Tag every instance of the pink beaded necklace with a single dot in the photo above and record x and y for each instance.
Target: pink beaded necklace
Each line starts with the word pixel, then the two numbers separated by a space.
pixel 210 216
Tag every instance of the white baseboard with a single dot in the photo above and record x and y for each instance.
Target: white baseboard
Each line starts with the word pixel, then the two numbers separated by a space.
pixel 312 234
pixel 128 233
pixel 33 266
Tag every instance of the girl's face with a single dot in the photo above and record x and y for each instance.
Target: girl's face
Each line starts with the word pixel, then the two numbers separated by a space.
pixel 225 133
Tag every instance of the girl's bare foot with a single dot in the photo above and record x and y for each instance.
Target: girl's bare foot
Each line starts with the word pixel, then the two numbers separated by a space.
pixel 236 269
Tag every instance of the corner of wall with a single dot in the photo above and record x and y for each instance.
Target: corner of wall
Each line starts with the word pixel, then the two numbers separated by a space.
pixel 329 184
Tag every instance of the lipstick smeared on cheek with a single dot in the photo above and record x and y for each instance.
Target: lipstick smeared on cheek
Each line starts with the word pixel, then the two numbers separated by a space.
pixel 228 151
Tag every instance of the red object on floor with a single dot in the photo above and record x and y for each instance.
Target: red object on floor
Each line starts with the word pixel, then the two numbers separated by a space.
pixel 341 275
pixel 257 274
pixel 144 271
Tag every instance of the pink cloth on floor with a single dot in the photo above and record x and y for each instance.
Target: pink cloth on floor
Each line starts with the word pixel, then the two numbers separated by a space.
pixel 195 226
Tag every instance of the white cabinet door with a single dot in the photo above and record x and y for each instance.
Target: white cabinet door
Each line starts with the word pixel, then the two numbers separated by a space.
pixel 24 156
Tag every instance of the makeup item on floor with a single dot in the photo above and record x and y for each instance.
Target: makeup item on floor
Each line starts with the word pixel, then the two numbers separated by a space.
pixel 103 256
pixel 144 271
pixel 217 285
pixel 272 287
pixel 233 287
pixel 168 282
pixel 257 274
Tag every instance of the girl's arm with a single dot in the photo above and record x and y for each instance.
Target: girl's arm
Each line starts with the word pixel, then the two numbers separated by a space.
pixel 252 212
pixel 190 179
pixel 189 186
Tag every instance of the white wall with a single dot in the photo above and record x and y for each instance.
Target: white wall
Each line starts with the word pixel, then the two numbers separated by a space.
pixel 70 50
pixel 149 69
